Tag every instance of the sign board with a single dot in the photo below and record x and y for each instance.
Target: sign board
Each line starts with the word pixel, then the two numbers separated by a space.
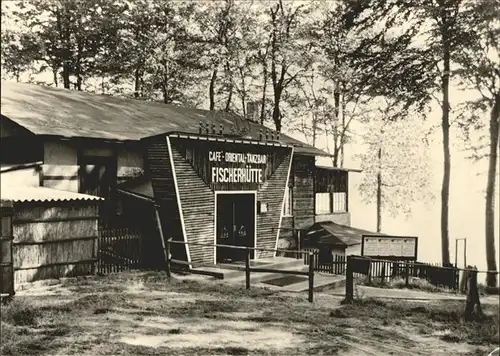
pixel 234 167
pixel 393 247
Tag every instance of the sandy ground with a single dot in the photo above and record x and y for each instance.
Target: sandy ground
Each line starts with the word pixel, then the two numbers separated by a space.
pixel 128 315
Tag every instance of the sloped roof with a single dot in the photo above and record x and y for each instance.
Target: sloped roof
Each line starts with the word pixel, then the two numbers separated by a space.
pixel 140 186
pixel 45 110
pixel 330 233
pixel 41 194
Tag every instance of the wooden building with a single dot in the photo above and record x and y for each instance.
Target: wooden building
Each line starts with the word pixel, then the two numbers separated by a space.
pixel 203 174
pixel 54 232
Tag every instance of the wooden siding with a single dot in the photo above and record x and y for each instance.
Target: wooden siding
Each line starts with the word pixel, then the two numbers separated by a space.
pixel 196 153
pixel 53 240
pixel 198 207
pixel 303 191
pixel 272 193
pixel 162 180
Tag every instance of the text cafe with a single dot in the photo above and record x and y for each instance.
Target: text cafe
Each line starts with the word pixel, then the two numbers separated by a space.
pixel 222 191
pixel 248 173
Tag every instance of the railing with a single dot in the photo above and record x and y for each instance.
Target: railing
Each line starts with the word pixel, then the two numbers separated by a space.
pixel 248 268
pixel 119 250
pixel 384 270
pixel 362 266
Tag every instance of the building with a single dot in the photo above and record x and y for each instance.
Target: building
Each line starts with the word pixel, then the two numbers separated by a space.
pixel 204 177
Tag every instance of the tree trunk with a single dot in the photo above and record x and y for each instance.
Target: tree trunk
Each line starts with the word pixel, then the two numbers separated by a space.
pixel 54 76
pixel 211 90
pixel 276 110
pixel 379 191
pixel 491 278
pixel 137 82
pixel 65 74
pixel 445 124
pixel 343 133
pixel 264 89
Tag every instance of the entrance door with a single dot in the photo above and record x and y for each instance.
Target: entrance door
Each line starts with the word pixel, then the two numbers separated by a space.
pixel 235 225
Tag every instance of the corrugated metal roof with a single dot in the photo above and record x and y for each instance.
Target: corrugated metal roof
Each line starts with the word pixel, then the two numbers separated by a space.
pixel 45 110
pixel 329 233
pixel 41 194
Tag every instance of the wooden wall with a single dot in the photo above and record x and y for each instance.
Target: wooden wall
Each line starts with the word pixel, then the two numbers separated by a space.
pixel 61 169
pixel 198 207
pixel 303 191
pixel 197 197
pixel 159 169
pixel 53 240
pixel 272 192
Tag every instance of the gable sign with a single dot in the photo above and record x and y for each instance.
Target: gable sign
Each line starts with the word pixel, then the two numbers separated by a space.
pixel 401 247
pixel 234 167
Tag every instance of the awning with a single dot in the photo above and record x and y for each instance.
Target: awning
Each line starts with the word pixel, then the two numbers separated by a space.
pixel 332 234
pixel 140 188
pixel 21 193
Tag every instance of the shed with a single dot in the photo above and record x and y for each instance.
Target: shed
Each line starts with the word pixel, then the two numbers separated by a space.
pixel 55 232
pixel 336 238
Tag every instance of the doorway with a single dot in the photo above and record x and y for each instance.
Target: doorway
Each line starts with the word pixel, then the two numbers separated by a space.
pixel 235 225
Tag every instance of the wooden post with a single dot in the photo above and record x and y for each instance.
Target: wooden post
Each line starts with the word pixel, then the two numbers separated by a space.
pixel 407 274
pixel 349 282
pixel 311 277
pixel 168 259
pixel 247 268
pixel 370 264
pixel 162 238
pixel 472 296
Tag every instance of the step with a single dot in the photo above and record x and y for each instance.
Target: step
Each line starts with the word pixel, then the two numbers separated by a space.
pixel 258 277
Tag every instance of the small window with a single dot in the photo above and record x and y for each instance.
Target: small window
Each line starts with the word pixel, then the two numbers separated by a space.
pixel 323 205
pixel 288 211
pixel 339 202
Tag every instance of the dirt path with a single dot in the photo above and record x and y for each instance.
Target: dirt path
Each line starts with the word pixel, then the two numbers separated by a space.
pixel 130 314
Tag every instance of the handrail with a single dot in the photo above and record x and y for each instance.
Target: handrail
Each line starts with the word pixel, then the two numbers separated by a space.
pixel 238 247
pixel 413 263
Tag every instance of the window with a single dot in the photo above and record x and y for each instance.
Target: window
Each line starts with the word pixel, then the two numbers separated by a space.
pixel 327 203
pixel 288 210
pixel 339 202
pixel 323 205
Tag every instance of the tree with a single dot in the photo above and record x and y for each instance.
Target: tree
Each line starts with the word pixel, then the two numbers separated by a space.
pixel 288 55
pixel 396 171
pixel 68 34
pixel 405 51
pixel 480 71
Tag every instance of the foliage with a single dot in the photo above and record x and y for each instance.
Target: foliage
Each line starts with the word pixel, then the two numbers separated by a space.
pixel 401 141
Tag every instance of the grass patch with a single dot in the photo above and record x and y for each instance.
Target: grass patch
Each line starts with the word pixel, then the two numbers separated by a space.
pixel 400 283
pixel 442 314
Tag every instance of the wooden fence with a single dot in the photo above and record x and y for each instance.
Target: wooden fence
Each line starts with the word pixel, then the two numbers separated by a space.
pixel 385 270
pixel 120 249
pixel 53 240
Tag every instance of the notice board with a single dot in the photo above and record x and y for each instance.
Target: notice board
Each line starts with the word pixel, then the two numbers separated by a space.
pixel 390 247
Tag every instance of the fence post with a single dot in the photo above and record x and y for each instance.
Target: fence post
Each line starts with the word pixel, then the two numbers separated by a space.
pixel 247 268
pixel 349 282
pixel 311 277
pixel 407 274
pixel 167 257
pixel 370 273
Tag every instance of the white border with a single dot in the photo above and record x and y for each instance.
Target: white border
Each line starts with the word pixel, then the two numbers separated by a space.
pixel 179 206
pixel 283 202
pixel 254 193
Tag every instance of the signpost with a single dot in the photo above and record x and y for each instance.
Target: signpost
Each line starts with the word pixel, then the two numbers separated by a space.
pixel 389 247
